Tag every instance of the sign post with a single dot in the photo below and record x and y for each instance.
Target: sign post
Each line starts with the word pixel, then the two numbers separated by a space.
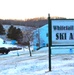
pixel 60 33
pixel 50 40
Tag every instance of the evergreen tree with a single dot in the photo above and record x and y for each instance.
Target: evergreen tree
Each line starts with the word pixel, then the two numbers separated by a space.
pixel 15 34
pixel 19 34
pixel 2 30
pixel 9 34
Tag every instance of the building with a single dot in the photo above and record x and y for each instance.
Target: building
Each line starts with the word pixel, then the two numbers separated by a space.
pixel 41 37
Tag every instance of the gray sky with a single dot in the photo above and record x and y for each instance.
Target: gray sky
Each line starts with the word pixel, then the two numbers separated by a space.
pixel 22 9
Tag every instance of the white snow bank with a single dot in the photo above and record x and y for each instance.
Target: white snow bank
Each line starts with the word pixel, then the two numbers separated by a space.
pixel 1 41
pixel 37 64
pixel 7 45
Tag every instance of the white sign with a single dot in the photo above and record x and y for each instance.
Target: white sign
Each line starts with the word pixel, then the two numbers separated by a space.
pixel 62 32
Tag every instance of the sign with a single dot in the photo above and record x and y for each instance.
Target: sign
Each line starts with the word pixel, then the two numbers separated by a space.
pixel 62 31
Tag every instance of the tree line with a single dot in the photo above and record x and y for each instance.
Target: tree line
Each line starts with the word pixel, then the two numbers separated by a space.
pixel 28 22
pixel 39 21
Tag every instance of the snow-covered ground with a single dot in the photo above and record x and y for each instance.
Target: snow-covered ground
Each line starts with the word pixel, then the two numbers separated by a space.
pixel 12 64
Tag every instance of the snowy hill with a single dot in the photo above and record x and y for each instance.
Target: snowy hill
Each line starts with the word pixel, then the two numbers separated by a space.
pixel 6 27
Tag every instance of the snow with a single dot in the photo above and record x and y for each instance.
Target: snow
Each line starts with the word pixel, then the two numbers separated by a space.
pixel 1 40
pixel 6 45
pixel 12 64
pixel 22 27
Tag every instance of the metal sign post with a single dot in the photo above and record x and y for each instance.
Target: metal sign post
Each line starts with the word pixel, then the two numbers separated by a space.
pixel 50 40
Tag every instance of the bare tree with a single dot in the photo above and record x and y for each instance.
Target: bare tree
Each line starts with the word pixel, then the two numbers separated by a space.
pixel 28 37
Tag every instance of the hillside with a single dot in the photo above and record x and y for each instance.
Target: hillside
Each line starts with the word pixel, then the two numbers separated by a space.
pixel 35 22
pixel 6 27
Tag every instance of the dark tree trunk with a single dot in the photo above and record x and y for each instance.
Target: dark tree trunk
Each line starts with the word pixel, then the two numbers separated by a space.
pixel 29 50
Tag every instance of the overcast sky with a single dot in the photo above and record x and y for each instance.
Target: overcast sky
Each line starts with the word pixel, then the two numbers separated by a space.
pixel 22 9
